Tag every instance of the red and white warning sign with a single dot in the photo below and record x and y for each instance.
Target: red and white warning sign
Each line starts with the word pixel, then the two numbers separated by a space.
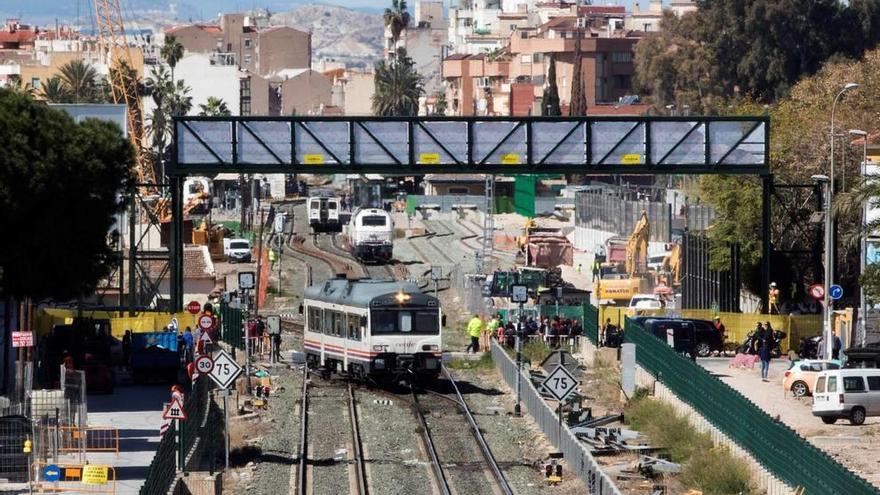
pixel 22 339
pixel 205 364
pixel 206 322
pixel 817 291
pixel 175 410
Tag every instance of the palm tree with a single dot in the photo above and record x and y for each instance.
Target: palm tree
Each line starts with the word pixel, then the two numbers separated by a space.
pixel 80 80
pixel 214 107
pixel 171 99
pixel 396 19
pixel 171 52
pixel 397 87
pixel 53 91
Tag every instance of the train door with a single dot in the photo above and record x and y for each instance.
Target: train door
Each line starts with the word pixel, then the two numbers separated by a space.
pixel 323 212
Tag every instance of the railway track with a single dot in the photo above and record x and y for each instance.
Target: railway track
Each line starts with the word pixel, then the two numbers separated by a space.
pixel 322 469
pixel 454 470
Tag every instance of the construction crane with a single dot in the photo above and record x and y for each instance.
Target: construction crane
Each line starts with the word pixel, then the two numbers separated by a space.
pixel 124 86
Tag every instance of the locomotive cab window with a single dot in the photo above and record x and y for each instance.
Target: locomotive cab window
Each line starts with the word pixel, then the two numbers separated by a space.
pixel 373 221
pixel 392 321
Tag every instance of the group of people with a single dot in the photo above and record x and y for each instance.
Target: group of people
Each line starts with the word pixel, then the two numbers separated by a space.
pixel 554 331
pixel 261 341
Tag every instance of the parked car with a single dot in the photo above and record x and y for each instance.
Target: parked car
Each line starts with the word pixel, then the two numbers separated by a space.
pixel 800 378
pixel 679 334
pixel 708 339
pixel 862 357
pixel 847 393
pixel 237 250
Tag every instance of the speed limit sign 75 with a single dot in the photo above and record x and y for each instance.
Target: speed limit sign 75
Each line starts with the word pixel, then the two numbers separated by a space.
pixel 205 364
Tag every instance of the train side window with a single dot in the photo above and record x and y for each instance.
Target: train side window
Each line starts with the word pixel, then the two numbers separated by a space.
pixel 315 317
pixel 328 322
pixel 354 328
pixel 339 324
pixel 405 321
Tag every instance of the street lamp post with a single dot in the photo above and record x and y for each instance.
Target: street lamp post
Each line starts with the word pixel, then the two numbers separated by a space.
pixel 829 228
pixel 863 241
pixel 826 319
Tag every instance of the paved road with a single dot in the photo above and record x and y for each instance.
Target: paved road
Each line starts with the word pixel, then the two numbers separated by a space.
pixel 137 412
pixel 856 447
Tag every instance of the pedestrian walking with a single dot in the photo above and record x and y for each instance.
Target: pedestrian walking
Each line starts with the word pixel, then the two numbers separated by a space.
pixel 489 330
pixel 765 342
pixel 836 346
pixel 474 329
pixel 576 331
pixel 126 347
pixel 188 344
pixel 597 270
pixel 276 347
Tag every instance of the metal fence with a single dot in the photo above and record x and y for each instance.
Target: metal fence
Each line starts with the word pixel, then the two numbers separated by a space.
pixel 576 454
pixel 200 434
pixel 699 218
pixel 776 446
pixel 231 329
pixel 703 287
pixel 610 213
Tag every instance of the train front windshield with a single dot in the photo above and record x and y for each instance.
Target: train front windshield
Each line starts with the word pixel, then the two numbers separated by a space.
pixel 405 321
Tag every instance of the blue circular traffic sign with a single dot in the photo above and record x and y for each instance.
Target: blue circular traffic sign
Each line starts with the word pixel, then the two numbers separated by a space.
pixel 51 473
pixel 835 292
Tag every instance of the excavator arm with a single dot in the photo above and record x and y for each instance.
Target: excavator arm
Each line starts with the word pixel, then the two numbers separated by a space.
pixel 637 246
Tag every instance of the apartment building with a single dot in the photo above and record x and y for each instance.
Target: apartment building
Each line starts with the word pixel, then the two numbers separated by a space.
pixel 251 45
pixel 511 81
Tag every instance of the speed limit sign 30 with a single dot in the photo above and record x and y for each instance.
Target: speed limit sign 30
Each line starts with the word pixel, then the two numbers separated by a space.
pixel 205 364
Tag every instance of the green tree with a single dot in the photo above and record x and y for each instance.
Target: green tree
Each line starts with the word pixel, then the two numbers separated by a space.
pixel 578 102
pixel 214 107
pixel 550 101
pixel 440 105
pixel 398 87
pixel 54 91
pixel 80 81
pixel 748 48
pixel 53 168
pixel 396 19
pixel 171 52
pixel 170 99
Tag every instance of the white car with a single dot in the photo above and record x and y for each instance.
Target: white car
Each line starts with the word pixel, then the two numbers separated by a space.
pixel 237 250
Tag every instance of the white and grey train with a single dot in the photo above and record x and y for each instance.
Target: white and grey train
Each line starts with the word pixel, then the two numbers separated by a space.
pixel 371 235
pixel 324 214
pixel 372 328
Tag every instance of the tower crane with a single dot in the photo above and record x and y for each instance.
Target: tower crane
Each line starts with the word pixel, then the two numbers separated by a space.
pixel 123 85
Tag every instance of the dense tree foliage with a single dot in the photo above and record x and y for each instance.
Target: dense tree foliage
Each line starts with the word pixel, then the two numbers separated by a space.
pixel 214 107
pixel 578 104
pixel 59 187
pixel 171 52
pixel 749 48
pixel 801 147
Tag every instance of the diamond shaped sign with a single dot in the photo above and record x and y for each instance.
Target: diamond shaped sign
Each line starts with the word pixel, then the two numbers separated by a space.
pixel 559 383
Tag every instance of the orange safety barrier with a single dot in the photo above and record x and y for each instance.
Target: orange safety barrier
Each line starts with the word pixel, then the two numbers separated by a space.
pixel 89 439
pixel 76 478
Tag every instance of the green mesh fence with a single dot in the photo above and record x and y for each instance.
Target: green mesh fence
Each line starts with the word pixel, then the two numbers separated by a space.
pixel 231 320
pixel 776 446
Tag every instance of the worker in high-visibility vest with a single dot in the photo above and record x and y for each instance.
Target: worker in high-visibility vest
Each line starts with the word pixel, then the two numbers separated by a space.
pixel 272 256
pixel 773 299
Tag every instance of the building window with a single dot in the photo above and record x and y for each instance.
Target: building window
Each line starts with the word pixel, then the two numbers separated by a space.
pixel 621 57
pixel 538 58
pixel 524 35
pixel 247 43
pixel 622 82
pixel 513 27
pixel 525 59
pixel 35 83
pixel 245 96
pixel 247 59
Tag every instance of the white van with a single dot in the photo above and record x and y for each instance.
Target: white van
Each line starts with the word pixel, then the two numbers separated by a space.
pixel 852 393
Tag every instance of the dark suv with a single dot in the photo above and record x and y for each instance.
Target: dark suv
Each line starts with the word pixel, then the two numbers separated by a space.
pixel 708 338
pixel 683 333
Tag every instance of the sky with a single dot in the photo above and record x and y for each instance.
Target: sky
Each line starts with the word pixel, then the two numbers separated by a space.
pixel 45 12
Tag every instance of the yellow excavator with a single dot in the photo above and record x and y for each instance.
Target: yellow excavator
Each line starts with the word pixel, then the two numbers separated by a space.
pixel 620 288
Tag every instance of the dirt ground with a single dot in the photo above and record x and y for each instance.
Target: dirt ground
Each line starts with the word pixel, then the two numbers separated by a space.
pixel 856 447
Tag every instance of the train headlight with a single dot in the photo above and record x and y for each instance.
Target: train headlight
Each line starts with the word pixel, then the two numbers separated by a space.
pixel 402 297
pixel 379 363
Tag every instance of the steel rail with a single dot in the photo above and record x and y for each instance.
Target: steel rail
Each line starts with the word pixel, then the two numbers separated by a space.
pixel 302 479
pixel 439 474
pixel 503 484
pixel 360 462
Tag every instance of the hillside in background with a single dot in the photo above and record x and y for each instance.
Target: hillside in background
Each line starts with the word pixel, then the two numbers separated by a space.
pixel 339 33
